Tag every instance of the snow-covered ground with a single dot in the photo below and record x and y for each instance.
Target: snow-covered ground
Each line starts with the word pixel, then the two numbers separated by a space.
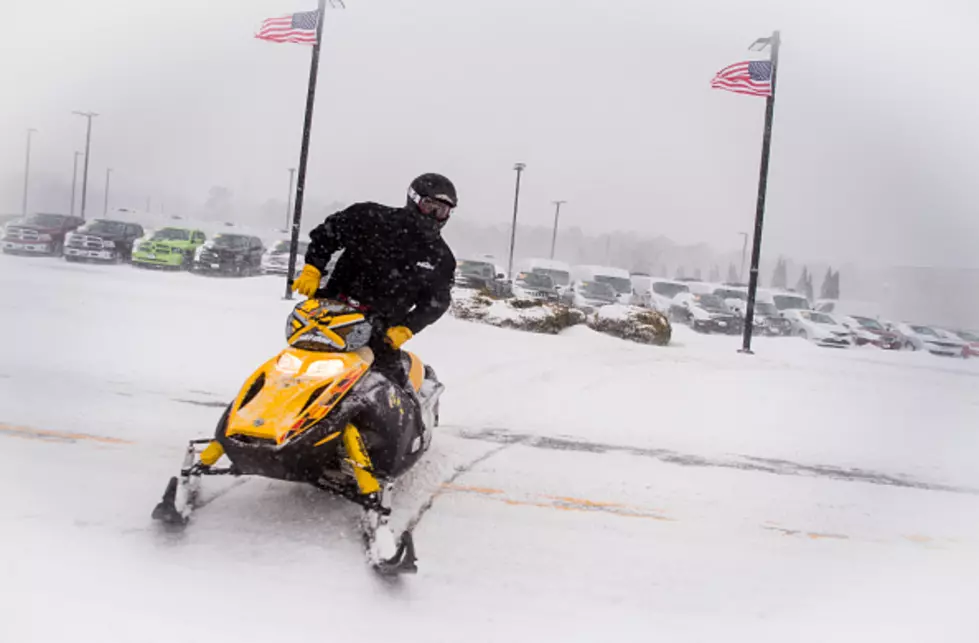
pixel 627 492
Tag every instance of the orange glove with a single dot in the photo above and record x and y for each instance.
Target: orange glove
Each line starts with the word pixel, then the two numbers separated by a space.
pixel 398 335
pixel 308 281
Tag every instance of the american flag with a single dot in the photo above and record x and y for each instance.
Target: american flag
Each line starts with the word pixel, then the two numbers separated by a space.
pixel 299 27
pixel 750 77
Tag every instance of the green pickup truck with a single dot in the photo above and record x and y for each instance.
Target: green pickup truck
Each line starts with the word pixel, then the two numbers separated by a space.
pixel 168 248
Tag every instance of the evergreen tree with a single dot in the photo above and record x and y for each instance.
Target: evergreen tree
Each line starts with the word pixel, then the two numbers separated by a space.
pixel 715 274
pixel 679 273
pixel 732 274
pixel 780 279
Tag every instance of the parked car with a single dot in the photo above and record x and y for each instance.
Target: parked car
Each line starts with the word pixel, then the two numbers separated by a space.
pixel 790 301
pixel 971 340
pixel 229 254
pixel 769 321
pixel 39 233
pixel 615 277
pixel 558 271
pixel 275 261
pixel 867 330
pixel 481 275
pixel 588 296
pixel 534 286
pixel 705 313
pixel 819 328
pixel 925 338
pixel 735 298
pixel 102 240
pixel 655 292
pixel 168 248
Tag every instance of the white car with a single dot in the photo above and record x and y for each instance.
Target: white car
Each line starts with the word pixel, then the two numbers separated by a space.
pixel 275 261
pixel 588 296
pixel 790 301
pixel 617 278
pixel 818 327
pixel 656 293
pixel 534 286
pixel 861 334
pixel 926 338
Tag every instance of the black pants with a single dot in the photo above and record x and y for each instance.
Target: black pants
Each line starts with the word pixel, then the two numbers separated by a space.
pixel 389 361
pixel 393 455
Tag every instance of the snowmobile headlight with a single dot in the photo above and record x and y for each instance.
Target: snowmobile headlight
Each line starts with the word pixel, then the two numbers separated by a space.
pixel 326 368
pixel 289 363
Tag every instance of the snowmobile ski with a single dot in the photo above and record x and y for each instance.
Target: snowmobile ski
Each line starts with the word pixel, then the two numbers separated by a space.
pixel 180 497
pixel 403 561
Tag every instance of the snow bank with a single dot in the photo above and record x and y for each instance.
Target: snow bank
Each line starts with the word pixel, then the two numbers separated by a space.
pixel 632 323
pixel 533 316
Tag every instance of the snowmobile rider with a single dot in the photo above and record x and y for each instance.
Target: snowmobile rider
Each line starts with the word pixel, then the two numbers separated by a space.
pixel 395 268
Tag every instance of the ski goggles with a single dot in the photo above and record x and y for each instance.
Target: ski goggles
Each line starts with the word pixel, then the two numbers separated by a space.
pixel 432 207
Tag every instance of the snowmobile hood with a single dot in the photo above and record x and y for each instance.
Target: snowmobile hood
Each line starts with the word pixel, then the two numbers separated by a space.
pixel 293 391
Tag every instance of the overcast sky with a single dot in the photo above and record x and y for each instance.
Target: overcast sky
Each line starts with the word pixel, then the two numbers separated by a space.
pixel 876 140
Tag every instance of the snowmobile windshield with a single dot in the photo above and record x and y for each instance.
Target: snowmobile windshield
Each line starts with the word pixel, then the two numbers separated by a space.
pixel 559 277
pixel 477 269
pixel 230 241
pixel 712 303
pixel 621 285
pixel 101 226
pixel 727 293
pixel 282 247
pixel 867 322
pixel 669 290
pixel 45 220
pixel 765 308
pixel 597 290
pixel 535 280
pixel 171 234
pixel 790 302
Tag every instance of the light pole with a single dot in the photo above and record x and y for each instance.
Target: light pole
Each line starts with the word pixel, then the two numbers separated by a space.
pixel 27 170
pixel 744 250
pixel 519 167
pixel 105 207
pixel 88 145
pixel 292 172
pixel 557 216
pixel 74 181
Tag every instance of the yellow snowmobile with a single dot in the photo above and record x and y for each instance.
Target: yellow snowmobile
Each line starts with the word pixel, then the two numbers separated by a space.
pixel 312 414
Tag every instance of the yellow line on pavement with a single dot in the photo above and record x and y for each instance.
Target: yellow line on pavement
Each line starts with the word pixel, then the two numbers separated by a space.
pixel 62 436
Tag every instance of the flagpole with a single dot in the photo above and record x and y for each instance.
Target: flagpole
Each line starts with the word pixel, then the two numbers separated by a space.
pixel 304 152
pixel 749 316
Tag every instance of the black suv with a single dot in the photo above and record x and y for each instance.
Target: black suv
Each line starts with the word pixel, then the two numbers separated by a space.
pixel 230 254
pixel 102 240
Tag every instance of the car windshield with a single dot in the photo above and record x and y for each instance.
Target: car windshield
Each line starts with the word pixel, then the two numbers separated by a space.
pixel 477 269
pixel 597 290
pixel 101 226
pixel 171 234
pixel 283 247
pixel 559 277
pixel 924 330
pixel 790 302
pixel 968 336
pixel 669 290
pixel 867 322
pixel 710 302
pixel 621 285
pixel 46 220
pixel 229 241
pixel 535 280
pixel 727 293
pixel 765 308
pixel 819 318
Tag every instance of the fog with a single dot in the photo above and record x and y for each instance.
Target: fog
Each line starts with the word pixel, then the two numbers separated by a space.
pixel 608 104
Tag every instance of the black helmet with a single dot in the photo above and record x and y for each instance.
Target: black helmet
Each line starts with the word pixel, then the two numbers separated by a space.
pixel 433 196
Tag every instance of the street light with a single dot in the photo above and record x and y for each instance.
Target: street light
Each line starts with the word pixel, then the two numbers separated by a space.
pixel 88 144
pixel 74 181
pixel 557 215
pixel 105 207
pixel 519 167
pixel 744 250
pixel 27 170
pixel 292 172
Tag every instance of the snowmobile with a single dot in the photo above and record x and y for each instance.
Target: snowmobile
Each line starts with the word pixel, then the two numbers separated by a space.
pixel 313 414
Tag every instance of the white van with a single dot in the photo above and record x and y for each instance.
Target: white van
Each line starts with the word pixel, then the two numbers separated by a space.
pixel 615 277
pixel 558 271
pixel 656 292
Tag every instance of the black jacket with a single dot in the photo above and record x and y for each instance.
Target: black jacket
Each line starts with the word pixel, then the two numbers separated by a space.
pixel 395 263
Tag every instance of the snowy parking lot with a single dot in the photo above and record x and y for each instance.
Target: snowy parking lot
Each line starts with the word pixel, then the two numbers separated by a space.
pixel 586 488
